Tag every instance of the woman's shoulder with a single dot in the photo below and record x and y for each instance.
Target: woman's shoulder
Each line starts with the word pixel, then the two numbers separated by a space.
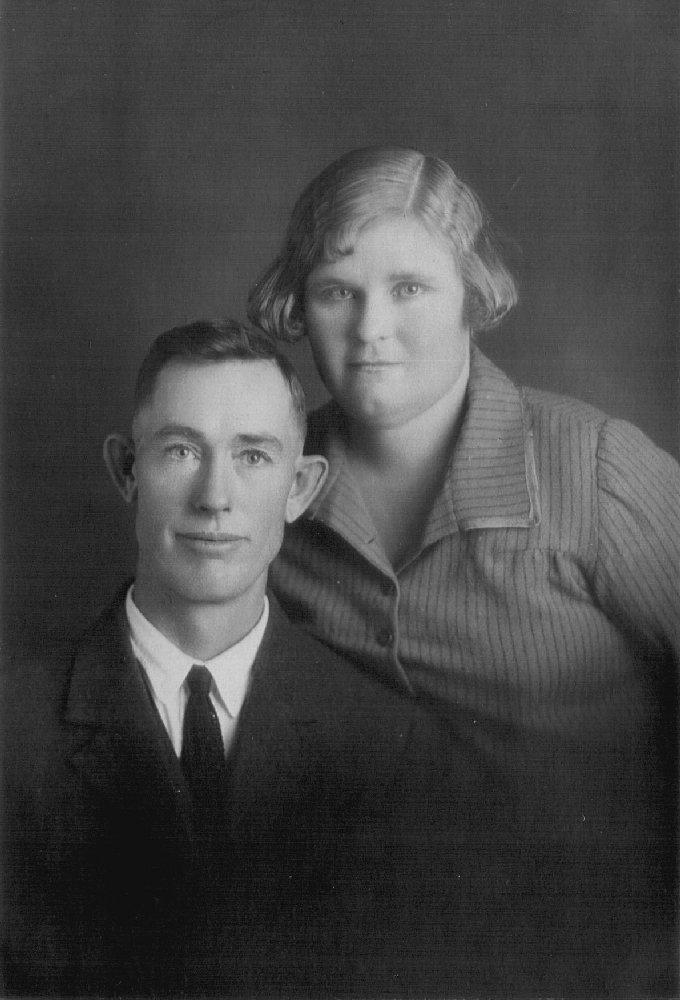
pixel 613 438
pixel 582 452
pixel 489 382
pixel 574 442
pixel 559 413
pixel 546 404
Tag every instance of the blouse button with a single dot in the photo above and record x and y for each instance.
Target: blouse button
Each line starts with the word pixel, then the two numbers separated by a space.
pixel 384 637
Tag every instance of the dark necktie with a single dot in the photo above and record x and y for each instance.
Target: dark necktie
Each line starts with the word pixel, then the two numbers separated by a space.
pixel 202 756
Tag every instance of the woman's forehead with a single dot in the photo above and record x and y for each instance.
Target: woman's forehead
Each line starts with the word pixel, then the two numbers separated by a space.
pixel 407 228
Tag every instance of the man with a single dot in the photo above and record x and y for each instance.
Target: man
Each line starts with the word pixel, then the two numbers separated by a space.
pixel 191 796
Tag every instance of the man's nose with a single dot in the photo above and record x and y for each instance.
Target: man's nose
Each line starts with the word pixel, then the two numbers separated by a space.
pixel 372 319
pixel 214 488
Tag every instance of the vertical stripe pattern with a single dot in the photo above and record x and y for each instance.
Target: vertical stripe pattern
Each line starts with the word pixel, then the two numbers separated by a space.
pixel 541 619
pixel 548 574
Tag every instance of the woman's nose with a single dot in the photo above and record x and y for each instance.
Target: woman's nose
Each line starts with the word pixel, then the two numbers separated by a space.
pixel 214 487
pixel 372 320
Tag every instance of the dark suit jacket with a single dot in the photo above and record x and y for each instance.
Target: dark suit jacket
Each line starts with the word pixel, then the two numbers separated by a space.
pixel 109 888
pixel 367 848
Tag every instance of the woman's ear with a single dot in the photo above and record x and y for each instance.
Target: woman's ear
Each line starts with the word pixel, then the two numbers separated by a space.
pixel 119 456
pixel 310 475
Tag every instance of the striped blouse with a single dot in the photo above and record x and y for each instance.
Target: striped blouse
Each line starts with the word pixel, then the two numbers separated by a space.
pixel 540 616
pixel 548 571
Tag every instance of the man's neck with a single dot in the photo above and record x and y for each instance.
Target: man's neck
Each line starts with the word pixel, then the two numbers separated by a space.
pixel 202 631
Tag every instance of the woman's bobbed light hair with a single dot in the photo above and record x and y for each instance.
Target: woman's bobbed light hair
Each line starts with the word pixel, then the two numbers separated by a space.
pixel 364 187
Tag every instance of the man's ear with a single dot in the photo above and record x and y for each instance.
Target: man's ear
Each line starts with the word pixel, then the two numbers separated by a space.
pixel 119 456
pixel 310 475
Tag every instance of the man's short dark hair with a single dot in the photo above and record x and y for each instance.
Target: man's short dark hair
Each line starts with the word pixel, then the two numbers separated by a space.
pixel 216 340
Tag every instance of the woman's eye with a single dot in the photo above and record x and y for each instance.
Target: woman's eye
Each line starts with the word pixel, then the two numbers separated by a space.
pixel 408 289
pixel 338 293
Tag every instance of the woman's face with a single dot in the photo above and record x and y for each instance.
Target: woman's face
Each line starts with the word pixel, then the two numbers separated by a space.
pixel 386 326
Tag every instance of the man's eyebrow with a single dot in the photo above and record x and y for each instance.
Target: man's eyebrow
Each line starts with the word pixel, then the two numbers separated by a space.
pixel 178 430
pixel 251 440
pixel 261 441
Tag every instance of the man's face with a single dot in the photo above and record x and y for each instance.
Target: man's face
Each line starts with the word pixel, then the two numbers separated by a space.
pixel 217 457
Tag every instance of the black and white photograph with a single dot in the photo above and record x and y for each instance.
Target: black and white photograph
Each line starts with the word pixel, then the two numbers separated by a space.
pixel 340 511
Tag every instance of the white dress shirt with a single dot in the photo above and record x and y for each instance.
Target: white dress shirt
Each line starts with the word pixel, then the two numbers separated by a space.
pixel 166 668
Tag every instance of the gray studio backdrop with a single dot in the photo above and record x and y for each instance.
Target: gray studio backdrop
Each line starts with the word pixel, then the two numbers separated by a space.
pixel 153 151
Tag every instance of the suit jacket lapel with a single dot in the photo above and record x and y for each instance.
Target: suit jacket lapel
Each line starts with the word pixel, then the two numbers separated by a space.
pixel 117 742
pixel 119 747
pixel 268 762
pixel 295 751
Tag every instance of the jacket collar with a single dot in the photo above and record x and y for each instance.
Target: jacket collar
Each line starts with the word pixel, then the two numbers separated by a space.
pixel 118 743
pixel 118 746
pixel 491 481
pixel 294 762
pixel 103 681
pixel 268 759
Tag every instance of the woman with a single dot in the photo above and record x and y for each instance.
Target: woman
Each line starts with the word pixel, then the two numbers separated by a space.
pixel 508 555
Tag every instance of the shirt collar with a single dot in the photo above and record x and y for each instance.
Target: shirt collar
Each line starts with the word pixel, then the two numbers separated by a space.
pixel 492 476
pixel 167 666
pixel 491 481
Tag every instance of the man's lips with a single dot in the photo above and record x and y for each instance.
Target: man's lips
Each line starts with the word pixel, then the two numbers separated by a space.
pixel 368 365
pixel 209 538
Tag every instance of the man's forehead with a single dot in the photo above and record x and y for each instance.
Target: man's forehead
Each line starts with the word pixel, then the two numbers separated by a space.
pixel 243 395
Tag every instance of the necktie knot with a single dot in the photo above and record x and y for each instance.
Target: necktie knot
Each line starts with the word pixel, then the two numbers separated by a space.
pixel 199 680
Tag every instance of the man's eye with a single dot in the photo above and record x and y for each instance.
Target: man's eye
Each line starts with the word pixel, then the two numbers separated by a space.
pixel 181 452
pixel 408 289
pixel 253 456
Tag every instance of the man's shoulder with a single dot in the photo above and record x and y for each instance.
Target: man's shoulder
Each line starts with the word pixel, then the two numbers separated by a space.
pixel 318 673
pixel 35 681
pixel 36 677
pixel 34 691
pixel 290 644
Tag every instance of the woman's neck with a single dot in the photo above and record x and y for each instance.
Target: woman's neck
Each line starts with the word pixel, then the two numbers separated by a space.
pixel 421 442
pixel 400 470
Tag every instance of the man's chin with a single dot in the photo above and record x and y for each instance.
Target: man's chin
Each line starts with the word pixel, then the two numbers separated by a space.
pixel 191 593
pixel 208 594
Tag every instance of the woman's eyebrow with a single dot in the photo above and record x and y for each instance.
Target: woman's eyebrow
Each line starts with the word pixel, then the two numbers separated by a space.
pixel 332 278
pixel 408 276
pixel 326 278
